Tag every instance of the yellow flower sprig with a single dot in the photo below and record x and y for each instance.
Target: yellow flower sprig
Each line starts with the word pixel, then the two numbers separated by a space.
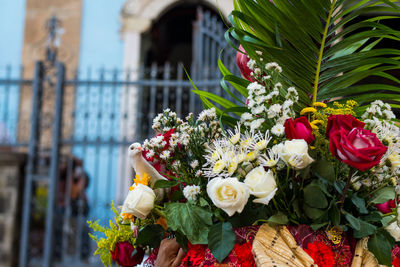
pixel 140 180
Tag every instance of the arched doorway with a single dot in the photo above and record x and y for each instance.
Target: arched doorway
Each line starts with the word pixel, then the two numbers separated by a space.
pixel 171 36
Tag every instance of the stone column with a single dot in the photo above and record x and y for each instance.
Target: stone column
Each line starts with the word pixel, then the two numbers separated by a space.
pixel 132 29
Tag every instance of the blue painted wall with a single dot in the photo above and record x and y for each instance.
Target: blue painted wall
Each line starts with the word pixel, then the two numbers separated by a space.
pixel 101 49
pixel 12 19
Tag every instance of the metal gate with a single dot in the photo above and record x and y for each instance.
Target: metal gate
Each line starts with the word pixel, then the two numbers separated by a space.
pixel 80 128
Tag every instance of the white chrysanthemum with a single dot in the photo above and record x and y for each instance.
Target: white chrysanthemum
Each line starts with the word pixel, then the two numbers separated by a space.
pixel 165 154
pixel 194 164
pixel 261 141
pixel 251 64
pixel 191 191
pixel 273 66
pixel 258 110
pixel 209 114
pixel 150 153
pixel 246 117
pixel 287 104
pixel 254 125
pixel 199 173
pixel 278 129
pixel 270 159
pixel 274 110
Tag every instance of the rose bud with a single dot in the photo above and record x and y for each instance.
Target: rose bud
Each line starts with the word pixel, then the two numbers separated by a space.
pixel 358 148
pixel 122 254
pixel 241 60
pixel 300 128
pixel 386 207
pixel 347 122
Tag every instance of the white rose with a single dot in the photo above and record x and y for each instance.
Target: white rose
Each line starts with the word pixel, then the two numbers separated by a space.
pixel 228 194
pixel 139 202
pixel 295 153
pixel 394 230
pixel 262 185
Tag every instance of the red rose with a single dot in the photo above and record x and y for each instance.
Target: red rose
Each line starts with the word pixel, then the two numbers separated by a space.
pixel 122 254
pixel 347 122
pixel 300 128
pixel 241 61
pixel 386 207
pixel 322 254
pixel 358 148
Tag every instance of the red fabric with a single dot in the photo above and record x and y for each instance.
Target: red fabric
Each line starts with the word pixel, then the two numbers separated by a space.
pixel 299 128
pixel 358 148
pixel 396 262
pixel 343 251
pixel 244 254
pixel 386 207
pixel 122 254
pixel 241 60
pixel 322 254
pixel 347 122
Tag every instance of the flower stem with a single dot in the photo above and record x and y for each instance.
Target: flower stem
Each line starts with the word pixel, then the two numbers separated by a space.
pixel 346 188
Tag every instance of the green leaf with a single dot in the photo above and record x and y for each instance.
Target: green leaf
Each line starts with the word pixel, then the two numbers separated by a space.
pixel 221 240
pixel 314 197
pixel 353 221
pixel 203 202
pixel 324 169
pixel 317 226
pixel 191 220
pixel 313 213
pixel 334 213
pixel 372 217
pixel 381 247
pixel 164 184
pixel 182 240
pixel 360 204
pixel 366 229
pixel 278 219
pixel 383 195
pixel 150 235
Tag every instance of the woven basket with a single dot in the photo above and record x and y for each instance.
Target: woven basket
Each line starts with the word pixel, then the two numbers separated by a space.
pixel 276 247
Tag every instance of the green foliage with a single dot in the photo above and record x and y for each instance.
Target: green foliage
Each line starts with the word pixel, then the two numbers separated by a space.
pixel 326 48
pixel 151 235
pixel 221 240
pixel 383 195
pixel 381 244
pixel 331 48
pixel 116 232
pixel 191 220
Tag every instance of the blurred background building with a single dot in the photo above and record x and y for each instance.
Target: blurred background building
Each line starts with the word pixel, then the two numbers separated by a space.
pixel 79 81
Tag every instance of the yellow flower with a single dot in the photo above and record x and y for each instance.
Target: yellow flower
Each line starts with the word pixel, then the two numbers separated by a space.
pixel 319 105
pixel 315 122
pixel 127 216
pixel 232 166
pixel 252 155
pixel 140 180
pixel 307 110
pixel 219 166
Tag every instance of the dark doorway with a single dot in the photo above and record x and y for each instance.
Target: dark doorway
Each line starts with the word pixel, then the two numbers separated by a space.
pixel 171 36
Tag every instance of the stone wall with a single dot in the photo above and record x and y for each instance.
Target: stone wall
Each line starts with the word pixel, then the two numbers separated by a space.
pixel 11 181
pixel 69 12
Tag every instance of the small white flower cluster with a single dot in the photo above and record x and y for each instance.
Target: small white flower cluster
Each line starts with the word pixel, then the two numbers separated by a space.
pixel 378 120
pixel 379 110
pixel 191 191
pixel 208 125
pixel 265 102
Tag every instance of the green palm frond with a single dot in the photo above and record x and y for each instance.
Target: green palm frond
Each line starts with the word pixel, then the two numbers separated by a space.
pixel 326 47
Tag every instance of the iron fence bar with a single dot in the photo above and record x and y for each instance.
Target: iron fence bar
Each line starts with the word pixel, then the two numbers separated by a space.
pixel 54 165
pixel 31 168
pixel 166 88
pixel 67 211
pixel 6 95
pixel 11 81
pixel 155 82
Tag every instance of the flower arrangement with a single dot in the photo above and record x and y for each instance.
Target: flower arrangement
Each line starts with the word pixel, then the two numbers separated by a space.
pixel 327 169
